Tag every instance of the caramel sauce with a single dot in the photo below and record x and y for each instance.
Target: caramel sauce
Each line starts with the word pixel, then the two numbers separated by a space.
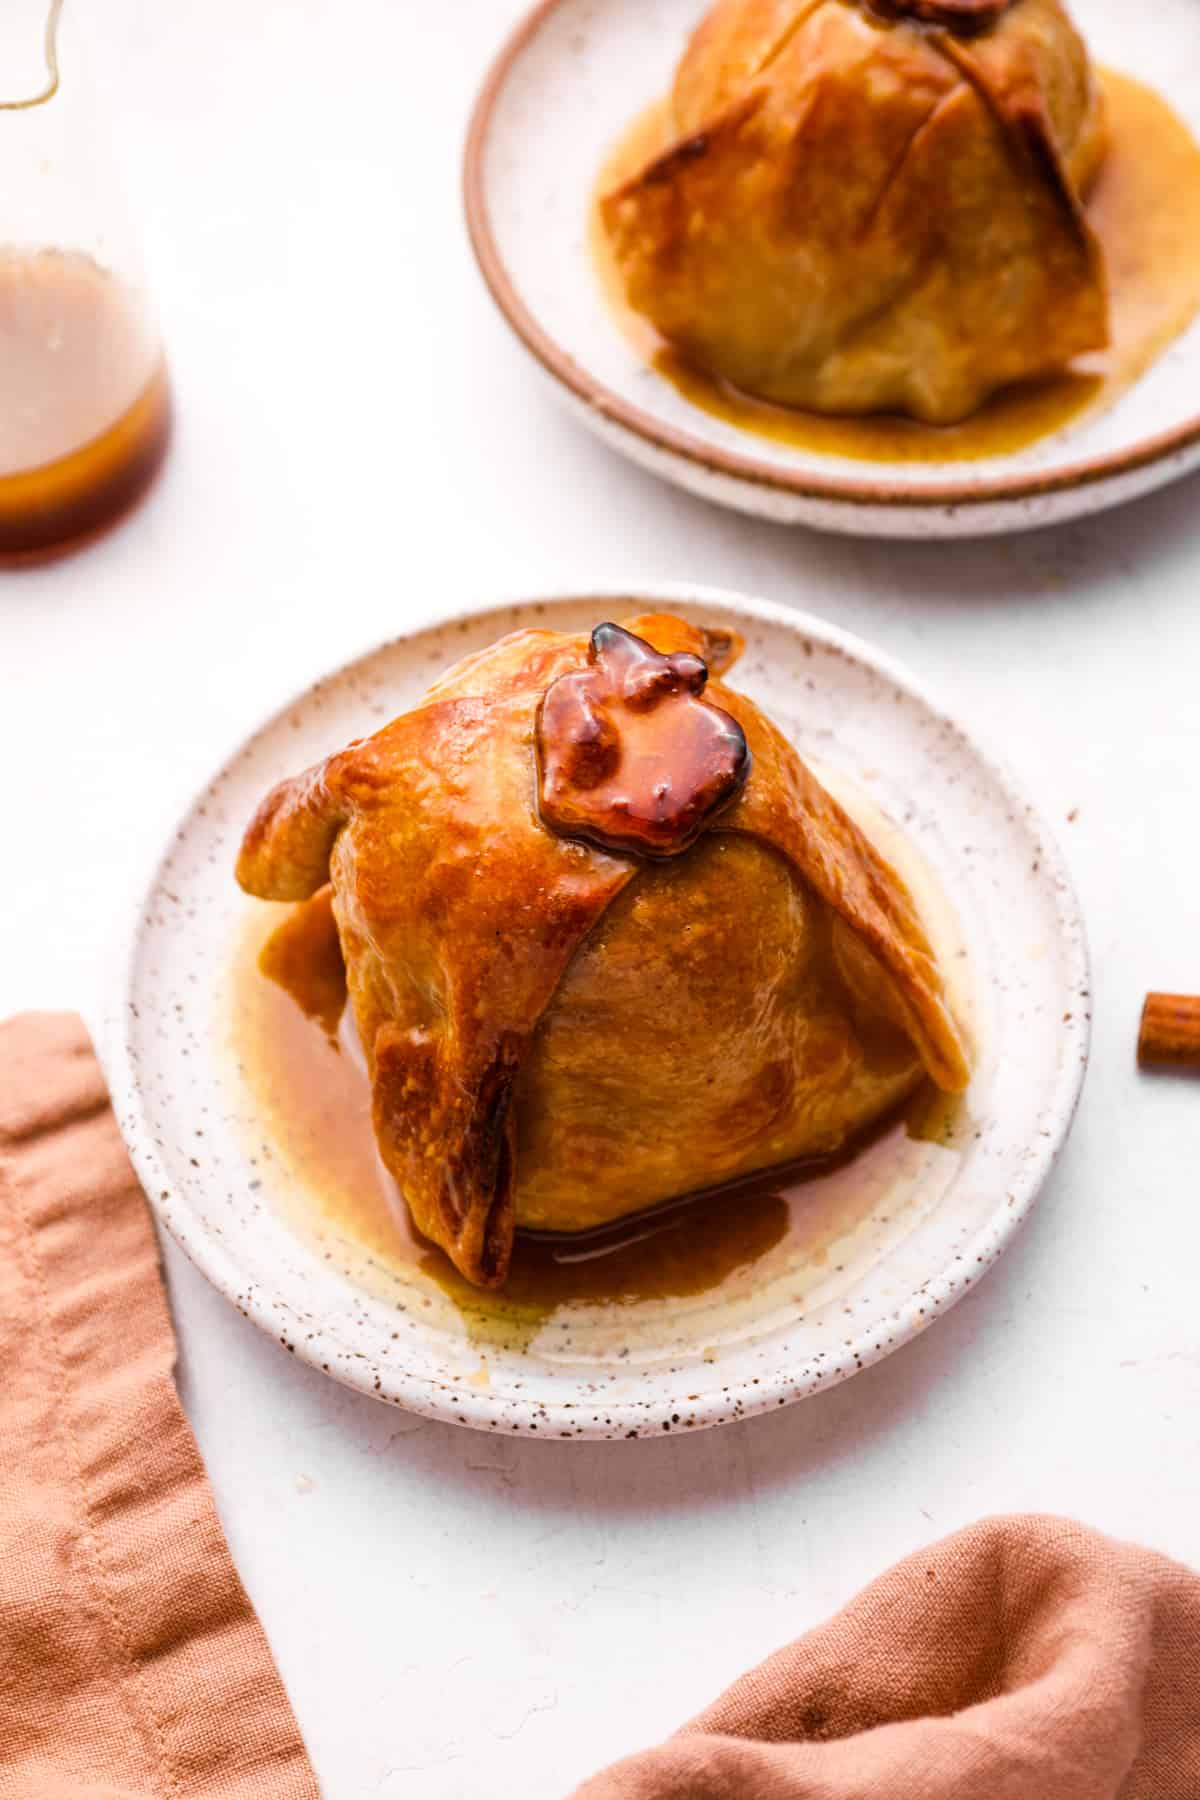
pixel 1145 209
pixel 312 1103
pixel 672 1253
pixel 86 413
pixel 629 754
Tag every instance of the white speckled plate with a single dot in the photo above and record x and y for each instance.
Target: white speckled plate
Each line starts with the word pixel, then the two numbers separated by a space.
pixel 556 100
pixel 862 1282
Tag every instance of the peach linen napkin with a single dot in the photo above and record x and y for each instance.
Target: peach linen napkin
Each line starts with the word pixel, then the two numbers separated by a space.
pixel 1023 1659
pixel 131 1663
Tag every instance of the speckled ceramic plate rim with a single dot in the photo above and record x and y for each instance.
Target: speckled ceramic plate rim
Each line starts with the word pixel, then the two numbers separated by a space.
pixel 611 408
pixel 450 1401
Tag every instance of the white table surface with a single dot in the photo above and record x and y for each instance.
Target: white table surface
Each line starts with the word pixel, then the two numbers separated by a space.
pixel 360 441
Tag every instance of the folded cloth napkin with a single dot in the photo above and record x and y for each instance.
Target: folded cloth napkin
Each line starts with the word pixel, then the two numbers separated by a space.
pixel 131 1663
pixel 1023 1659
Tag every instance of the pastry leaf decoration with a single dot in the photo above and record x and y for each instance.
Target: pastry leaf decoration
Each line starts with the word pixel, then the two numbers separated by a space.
pixel 630 755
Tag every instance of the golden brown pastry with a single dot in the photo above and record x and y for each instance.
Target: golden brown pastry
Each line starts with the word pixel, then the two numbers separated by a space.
pixel 607 939
pixel 873 207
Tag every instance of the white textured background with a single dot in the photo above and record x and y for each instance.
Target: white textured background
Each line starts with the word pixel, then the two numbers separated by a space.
pixel 360 439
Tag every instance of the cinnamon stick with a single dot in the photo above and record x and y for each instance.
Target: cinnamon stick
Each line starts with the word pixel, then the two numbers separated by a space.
pixel 1170 1033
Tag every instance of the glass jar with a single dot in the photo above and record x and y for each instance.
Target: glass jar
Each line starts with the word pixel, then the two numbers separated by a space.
pixel 84 399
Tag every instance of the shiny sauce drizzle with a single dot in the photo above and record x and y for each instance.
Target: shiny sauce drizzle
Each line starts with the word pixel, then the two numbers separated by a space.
pixel 630 756
pixel 312 1108
pixel 1145 209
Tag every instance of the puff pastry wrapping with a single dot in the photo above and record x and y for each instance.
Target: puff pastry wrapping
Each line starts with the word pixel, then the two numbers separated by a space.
pixel 558 1032
pixel 873 208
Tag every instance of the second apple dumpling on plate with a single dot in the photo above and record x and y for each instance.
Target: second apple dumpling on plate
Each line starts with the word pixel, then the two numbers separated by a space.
pixel 873 208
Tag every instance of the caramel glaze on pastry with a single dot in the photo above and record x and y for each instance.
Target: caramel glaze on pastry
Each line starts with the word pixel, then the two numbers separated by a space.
pixel 629 755
pixel 873 207
pixel 608 941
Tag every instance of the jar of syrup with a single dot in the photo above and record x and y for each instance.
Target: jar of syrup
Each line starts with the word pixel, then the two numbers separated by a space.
pixel 84 401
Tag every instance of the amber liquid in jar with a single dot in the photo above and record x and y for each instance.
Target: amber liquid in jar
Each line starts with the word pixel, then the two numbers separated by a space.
pixel 84 402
